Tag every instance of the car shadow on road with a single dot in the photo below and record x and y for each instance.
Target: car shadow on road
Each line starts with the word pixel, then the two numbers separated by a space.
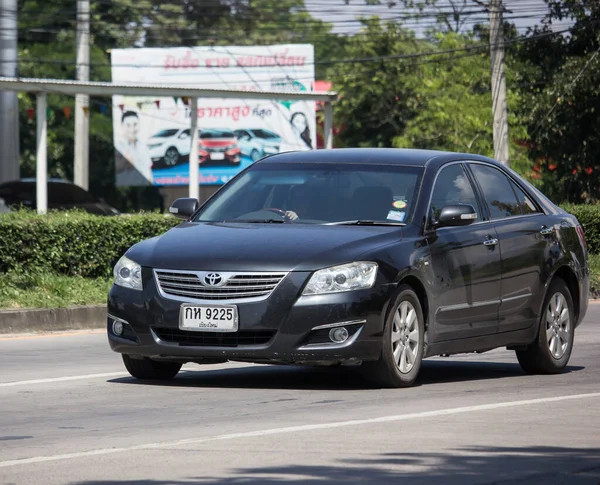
pixel 547 465
pixel 330 378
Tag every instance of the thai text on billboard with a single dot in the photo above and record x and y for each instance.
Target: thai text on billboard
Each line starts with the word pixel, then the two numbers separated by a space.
pixel 152 135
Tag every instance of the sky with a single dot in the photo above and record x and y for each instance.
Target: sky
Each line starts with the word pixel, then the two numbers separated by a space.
pixel 523 13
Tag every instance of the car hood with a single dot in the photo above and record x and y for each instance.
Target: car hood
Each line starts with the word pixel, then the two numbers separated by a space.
pixel 260 247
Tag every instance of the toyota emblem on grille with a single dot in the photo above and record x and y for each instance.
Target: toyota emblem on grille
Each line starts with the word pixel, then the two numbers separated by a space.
pixel 213 279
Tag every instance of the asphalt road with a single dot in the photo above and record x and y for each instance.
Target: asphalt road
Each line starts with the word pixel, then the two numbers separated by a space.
pixel 69 414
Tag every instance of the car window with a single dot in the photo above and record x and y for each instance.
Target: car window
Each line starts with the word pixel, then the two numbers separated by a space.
pixel 452 187
pixel 526 203
pixel 497 191
pixel 318 193
pixel 165 133
pixel 216 134
pixel 265 134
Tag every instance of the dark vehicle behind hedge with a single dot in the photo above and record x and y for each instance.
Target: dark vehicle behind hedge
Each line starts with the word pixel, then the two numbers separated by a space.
pixel 62 195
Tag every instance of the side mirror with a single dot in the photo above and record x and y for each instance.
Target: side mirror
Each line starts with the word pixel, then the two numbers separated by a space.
pixel 183 208
pixel 456 215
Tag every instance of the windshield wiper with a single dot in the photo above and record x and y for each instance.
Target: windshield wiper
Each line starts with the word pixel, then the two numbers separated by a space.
pixel 358 222
pixel 257 221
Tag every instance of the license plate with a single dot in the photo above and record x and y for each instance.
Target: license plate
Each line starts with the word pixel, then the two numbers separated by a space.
pixel 208 318
pixel 217 156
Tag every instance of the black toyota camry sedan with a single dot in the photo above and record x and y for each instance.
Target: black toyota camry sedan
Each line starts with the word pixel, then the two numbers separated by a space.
pixel 370 257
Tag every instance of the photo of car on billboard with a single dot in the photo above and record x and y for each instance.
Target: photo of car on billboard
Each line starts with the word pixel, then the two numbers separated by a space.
pixel 172 147
pixel 153 136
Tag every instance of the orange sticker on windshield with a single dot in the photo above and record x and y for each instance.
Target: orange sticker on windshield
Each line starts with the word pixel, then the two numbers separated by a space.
pixel 399 204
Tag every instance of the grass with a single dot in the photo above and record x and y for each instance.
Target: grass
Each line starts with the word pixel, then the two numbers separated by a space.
pixel 47 290
pixel 595 273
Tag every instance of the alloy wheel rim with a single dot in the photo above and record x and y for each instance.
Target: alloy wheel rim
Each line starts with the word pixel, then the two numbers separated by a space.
pixel 558 324
pixel 170 157
pixel 405 337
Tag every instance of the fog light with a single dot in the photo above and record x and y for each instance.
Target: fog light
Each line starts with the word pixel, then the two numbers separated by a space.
pixel 117 327
pixel 338 335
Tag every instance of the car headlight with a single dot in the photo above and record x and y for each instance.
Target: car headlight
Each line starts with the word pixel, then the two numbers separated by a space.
pixel 128 274
pixel 346 277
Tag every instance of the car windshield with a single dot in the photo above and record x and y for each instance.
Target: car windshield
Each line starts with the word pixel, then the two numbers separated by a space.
pixel 264 134
pixel 317 193
pixel 165 134
pixel 216 134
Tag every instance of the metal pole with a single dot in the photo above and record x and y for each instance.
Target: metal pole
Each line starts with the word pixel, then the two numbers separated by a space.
pixel 41 186
pixel 328 124
pixel 9 102
pixel 82 124
pixel 194 191
pixel 499 106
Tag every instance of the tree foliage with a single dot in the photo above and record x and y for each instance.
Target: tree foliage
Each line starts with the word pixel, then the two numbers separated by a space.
pixel 431 102
pixel 455 105
pixel 563 102
pixel 377 96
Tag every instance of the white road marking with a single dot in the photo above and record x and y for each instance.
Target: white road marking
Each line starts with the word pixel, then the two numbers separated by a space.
pixel 62 379
pixel 297 429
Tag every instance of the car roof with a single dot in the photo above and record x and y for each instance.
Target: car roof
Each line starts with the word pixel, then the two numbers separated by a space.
pixel 396 156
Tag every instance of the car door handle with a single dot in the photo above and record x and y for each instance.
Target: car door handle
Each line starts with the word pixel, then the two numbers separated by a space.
pixel 546 230
pixel 490 242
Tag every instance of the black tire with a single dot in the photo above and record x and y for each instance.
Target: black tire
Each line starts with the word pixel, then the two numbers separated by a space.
pixel 150 369
pixel 387 370
pixel 254 155
pixel 171 157
pixel 543 357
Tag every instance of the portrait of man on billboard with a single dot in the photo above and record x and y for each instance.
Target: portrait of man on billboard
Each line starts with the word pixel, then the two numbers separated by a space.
pixel 133 162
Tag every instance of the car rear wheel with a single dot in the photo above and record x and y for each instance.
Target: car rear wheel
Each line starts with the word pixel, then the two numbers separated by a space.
pixel 150 369
pixel 171 156
pixel 403 340
pixel 550 352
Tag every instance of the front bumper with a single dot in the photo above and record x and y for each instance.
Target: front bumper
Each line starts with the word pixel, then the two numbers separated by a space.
pixel 279 329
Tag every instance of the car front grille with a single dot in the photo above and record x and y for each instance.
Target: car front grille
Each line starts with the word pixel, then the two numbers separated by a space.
pixel 214 339
pixel 189 285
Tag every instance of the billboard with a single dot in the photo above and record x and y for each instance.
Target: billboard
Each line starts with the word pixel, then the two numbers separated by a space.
pixel 152 135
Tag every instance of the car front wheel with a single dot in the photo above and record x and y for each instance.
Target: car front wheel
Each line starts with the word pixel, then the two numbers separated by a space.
pixel 403 340
pixel 171 157
pixel 550 352
pixel 255 155
pixel 150 369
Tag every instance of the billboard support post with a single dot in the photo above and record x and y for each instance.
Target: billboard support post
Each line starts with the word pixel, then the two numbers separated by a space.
pixel 194 191
pixel 41 188
pixel 328 125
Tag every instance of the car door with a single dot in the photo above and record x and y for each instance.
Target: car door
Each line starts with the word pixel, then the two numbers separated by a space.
pixel 244 141
pixel 465 263
pixel 526 236
pixel 184 142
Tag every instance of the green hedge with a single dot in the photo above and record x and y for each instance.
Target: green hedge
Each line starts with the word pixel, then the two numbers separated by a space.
pixel 73 243
pixel 589 217
pixel 76 243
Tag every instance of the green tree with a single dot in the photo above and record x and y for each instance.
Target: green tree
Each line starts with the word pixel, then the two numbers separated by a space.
pixel 377 87
pixel 400 97
pixel 562 102
pixel 454 109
